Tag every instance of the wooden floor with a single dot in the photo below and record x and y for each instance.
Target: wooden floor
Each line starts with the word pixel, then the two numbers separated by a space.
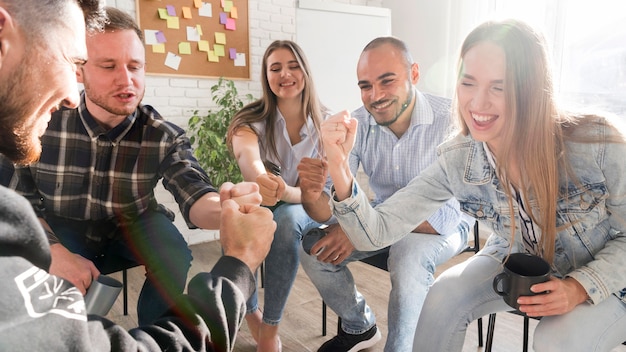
pixel 301 327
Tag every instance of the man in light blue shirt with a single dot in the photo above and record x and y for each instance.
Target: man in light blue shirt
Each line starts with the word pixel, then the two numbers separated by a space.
pixel 399 129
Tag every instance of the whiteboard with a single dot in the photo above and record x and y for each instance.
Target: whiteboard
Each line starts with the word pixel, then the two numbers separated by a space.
pixel 332 36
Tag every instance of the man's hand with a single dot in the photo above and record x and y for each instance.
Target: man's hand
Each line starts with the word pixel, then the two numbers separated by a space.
pixel 72 267
pixel 338 136
pixel 246 232
pixel 562 297
pixel 312 174
pixel 242 193
pixel 336 245
pixel 271 187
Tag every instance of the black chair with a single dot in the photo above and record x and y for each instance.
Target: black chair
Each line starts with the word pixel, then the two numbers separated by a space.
pixel 491 325
pixel 112 264
pixel 380 261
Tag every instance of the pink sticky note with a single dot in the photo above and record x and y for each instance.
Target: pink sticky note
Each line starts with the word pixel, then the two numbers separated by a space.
pixel 232 53
pixel 231 24
pixel 171 10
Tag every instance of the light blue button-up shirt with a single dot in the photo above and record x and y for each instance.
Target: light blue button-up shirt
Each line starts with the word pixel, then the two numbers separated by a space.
pixel 391 162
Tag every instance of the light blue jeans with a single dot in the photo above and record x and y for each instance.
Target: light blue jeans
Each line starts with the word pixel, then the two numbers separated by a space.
pixel 412 262
pixel 464 293
pixel 281 263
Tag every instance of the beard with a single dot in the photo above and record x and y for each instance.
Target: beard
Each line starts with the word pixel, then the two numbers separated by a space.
pixel 101 100
pixel 19 138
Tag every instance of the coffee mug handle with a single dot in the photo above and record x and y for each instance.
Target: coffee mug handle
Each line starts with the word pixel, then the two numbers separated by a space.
pixel 496 280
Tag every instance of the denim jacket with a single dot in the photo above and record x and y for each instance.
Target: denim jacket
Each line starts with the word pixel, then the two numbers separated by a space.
pixel 591 216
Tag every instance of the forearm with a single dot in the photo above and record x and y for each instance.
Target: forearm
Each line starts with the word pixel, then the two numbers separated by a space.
pixel 292 195
pixel 342 180
pixel 318 209
pixel 205 212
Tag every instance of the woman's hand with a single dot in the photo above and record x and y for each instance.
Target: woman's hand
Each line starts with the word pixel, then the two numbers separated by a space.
pixel 271 187
pixel 562 297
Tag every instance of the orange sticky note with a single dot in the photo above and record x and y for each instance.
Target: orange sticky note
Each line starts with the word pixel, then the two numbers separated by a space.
pixel 186 12
pixel 197 3
pixel 233 12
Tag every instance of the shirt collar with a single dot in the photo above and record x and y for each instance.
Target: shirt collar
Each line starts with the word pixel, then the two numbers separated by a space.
pixel 94 129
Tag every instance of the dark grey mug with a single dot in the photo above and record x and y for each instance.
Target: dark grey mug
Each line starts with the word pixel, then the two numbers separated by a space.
pixel 521 271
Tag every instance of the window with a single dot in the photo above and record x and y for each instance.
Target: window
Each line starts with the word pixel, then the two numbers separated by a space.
pixel 588 43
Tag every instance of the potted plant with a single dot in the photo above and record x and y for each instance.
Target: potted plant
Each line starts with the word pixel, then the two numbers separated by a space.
pixel 208 133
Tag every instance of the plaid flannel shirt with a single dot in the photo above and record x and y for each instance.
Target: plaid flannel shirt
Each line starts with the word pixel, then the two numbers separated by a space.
pixel 88 173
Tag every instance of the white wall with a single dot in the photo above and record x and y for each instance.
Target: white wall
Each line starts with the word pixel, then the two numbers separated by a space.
pixel 176 98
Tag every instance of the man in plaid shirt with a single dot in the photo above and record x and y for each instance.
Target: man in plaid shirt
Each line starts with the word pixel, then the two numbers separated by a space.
pixel 93 187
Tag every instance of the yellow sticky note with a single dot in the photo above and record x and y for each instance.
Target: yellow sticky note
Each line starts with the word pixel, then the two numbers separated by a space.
pixel 184 48
pixel 163 14
pixel 186 12
pixel 199 29
pixel 233 12
pixel 173 23
pixel 212 57
pixel 158 48
pixel 220 38
pixel 219 50
pixel 228 5
pixel 197 3
pixel 203 45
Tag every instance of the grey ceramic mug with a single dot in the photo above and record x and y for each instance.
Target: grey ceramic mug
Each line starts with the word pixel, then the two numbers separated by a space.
pixel 521 271
pixel 101 295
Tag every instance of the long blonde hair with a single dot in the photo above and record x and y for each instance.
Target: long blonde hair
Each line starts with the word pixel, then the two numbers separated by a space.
pixel 264 109
pixel 534 128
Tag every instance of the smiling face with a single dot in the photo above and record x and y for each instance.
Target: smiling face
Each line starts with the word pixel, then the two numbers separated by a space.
pixel 37 80
pixel 284 74
pixel 114 76
pixel 386 82
pixel 481 95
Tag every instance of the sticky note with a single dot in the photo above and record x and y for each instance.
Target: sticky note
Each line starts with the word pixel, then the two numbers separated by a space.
pixel 163 13
pixel 230 24
pixel 199 29
pixel 184 48
pixel 240 60
pixel 223 17
pixel 158 48
pixel 172 61
pixel 220 37
pixel 212 57
pixel 233 12
pixel 186 12
pixel 192 34
pixel 228 5
pixel 206 10
pixel 219 50
pixel 232 53
pixel 203 45
pixel 150 37
pixel 171 10
pixel 197 3
pixel 173 23
pixel 161 37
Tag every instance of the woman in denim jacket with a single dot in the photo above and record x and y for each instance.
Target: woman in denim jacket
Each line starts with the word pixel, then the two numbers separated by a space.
pixel 546 181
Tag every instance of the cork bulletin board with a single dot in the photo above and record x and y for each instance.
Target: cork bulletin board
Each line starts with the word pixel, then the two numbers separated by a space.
pixel 196 38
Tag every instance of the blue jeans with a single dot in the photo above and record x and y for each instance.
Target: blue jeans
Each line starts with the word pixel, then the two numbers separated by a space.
pixel 151 240
pixel 464 293
pixel 412 262
pixel 281 263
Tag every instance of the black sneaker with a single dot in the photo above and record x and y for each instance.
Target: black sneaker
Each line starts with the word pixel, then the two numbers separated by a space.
pixel 345 342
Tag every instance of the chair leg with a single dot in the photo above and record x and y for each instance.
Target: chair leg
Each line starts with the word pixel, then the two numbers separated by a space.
pixel 323 318
pixel 526 322
pixel 480 332
pixel 125 289
pixel 491 326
